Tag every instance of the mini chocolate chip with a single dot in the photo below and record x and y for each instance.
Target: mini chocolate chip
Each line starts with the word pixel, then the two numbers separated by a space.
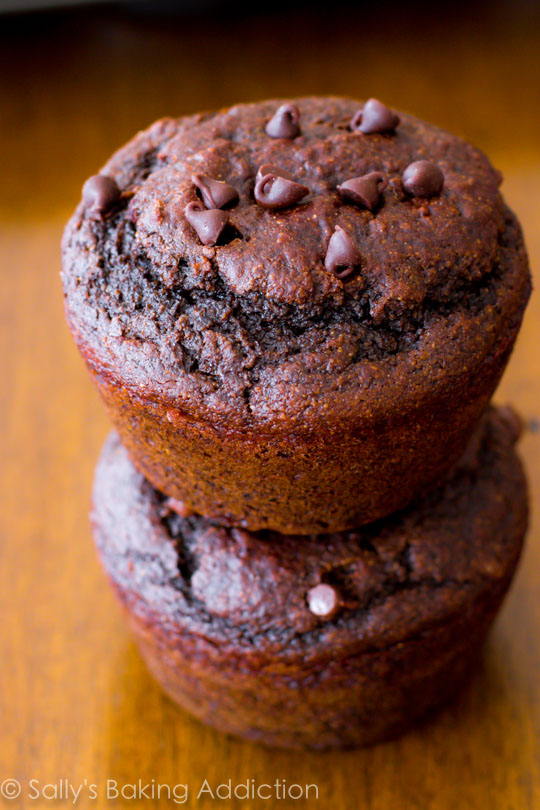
pixel 323 601
pixel 214 193
pixel 374 117
pixel 100 193
pixel 342 255
pixel 423 179
pixel 273 191
pixel 207 223
pixel 267 168
pixel 364 191
pixel 176 506
pixel 284 122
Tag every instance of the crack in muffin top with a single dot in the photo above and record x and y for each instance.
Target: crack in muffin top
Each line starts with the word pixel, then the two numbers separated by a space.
pixel 262 294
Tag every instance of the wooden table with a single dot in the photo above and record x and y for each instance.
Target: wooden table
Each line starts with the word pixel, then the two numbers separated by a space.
pixel 76 701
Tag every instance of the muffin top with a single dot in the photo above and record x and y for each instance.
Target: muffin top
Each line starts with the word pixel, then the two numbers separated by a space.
pixel 286 244
pixel 262 591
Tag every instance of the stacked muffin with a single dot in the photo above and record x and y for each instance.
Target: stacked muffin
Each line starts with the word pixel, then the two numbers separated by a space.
pixel 296 315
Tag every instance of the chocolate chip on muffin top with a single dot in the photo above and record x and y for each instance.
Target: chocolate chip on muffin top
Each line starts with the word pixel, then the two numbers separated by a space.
pixel 220 255
pixel 281 256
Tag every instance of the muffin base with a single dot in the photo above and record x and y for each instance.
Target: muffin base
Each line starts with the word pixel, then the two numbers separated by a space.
pixel 366 700
pixel 223 625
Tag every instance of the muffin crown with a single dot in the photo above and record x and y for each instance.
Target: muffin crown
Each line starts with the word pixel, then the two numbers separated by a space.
pixel 221 254
pixel 410 246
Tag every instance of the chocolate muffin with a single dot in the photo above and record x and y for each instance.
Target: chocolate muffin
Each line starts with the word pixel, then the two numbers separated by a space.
pixel 295 313
pixel 316 641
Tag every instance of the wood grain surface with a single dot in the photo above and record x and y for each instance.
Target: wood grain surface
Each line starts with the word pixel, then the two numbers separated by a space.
pixel 75 700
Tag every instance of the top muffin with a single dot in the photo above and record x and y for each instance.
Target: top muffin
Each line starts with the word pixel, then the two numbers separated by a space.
pixel 295 312
pixel 305 277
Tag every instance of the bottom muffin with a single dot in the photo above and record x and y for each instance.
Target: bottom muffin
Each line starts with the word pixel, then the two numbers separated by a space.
pixel 316 641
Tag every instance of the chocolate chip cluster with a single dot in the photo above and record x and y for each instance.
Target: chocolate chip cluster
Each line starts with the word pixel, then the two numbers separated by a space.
pixel 276 189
